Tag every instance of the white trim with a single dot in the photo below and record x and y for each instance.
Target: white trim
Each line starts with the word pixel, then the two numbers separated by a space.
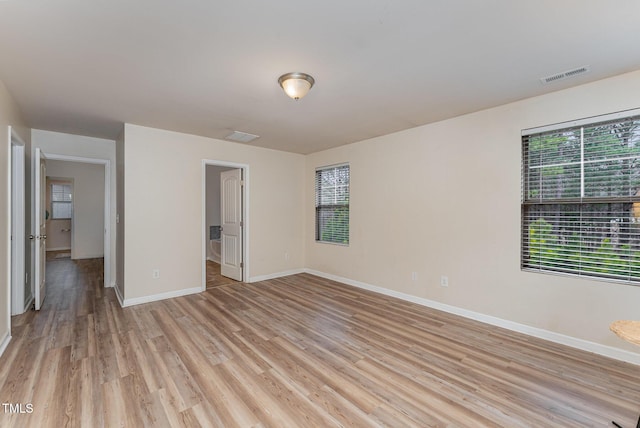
pixel 38 285
pixel 580 122
pixel 17 244
pixel 245 216
pixel 67 158
pixel 7 202
pixel 335 165
pixel 107 206
pixel 29 303
pixel 59 249
pixel 157 297
pixel 96 256
pixel 276 275
pixel 585 345
pixel 118 295
pixel 5 343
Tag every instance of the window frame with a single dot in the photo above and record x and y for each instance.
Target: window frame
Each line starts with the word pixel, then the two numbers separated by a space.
pixel 69 202
pixel 588 204
pixel 320 207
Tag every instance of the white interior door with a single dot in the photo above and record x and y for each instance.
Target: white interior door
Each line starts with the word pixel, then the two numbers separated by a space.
pixel 17 228
pixel 40 227
pixel 231 222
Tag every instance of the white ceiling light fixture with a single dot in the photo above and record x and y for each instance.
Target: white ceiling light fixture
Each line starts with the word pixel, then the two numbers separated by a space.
pixel 296 85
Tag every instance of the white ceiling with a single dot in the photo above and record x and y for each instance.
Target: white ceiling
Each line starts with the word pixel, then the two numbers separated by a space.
pixel 209 67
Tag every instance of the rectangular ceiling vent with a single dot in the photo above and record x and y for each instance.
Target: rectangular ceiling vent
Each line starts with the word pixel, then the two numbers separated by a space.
pixel 241 137
pixel 565 75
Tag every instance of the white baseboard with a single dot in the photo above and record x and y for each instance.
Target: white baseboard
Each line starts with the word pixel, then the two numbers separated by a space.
pixel 83 257
pixel 155 297
pixel 276 275
pixel 585 345
pixel 59 249
pixel 211 259
pixel 161 296
pixel 5 343
pixel 118 295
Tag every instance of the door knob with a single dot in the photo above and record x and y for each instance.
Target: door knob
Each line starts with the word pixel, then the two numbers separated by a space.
pixel 31 237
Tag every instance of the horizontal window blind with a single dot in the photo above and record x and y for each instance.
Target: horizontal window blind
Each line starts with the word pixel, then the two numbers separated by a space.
pixel 332 204
pixel 61 201
pixel 580 199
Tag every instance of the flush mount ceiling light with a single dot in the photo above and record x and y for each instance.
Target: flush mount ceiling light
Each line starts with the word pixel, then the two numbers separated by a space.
pixel 296 85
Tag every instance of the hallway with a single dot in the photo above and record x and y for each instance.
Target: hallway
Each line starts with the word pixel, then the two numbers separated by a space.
pixel 50 359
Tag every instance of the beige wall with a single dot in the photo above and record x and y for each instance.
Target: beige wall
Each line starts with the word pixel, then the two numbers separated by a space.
pixel 444 199
pixel 164 209
pixel 87 232
pixel 9 116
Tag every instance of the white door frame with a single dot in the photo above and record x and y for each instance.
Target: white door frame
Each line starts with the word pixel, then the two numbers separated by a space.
pixel 40 227
pixel 17 224
pixel 107 205
pixel 245 217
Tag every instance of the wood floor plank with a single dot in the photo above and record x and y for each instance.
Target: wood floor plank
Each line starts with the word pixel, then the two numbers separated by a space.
pixel 116 411
pixel 90 407
pixel 339 408
pixel 180 388
pixel 228 406
pixel 296 351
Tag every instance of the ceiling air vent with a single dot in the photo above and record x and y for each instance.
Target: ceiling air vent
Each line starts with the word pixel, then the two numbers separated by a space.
pixel 241 137
pixel 565 75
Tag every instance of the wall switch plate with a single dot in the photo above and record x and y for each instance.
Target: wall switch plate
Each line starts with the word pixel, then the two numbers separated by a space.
pixel 444 281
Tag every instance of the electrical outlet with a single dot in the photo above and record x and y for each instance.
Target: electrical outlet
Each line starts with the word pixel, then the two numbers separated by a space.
pixel 444 281
pixel 414 276
pixel 155 274
pixel 286 255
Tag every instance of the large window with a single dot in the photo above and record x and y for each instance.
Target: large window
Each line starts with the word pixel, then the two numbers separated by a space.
pixel 332 204
pixel 61 201
pixel 581 198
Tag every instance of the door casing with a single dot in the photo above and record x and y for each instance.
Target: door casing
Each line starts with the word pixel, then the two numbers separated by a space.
pixel 39 228
pixel 17 244
pixel 245 217
pixel 107 205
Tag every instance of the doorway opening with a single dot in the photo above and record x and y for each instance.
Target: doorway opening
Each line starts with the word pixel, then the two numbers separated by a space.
pixel 83 224
pixel 59 216
pixel 224 225
pixel 21 296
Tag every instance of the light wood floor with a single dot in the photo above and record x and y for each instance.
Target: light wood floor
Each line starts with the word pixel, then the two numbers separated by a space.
pixel 214 278
pixel 293 352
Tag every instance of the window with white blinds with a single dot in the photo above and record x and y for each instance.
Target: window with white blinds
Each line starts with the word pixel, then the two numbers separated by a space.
pixel 581 198
pixel 332 204
pixel 61 201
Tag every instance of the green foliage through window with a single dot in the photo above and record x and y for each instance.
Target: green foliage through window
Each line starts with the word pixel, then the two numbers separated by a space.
pixel 581 204
pixel 332 204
